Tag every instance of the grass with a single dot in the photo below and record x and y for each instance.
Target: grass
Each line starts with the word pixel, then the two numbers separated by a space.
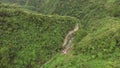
pixel 30 39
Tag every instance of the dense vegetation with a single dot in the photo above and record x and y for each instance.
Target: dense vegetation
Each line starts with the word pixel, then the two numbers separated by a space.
pixel 29 39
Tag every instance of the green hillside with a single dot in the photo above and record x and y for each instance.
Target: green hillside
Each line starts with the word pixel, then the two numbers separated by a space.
pixel 32 33
pixel 29 39
pixel 99 49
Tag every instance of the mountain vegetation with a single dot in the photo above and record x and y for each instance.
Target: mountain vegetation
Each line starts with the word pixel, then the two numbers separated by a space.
pixel 32 33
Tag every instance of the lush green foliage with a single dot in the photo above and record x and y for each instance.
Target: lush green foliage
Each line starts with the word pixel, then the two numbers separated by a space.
pixel 32 40
pixel 29 39
pixel 98 49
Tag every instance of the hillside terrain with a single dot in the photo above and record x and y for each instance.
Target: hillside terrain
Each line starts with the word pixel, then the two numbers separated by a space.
pixel 29 39
pixel 32 33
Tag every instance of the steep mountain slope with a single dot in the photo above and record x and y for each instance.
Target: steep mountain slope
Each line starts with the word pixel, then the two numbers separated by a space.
pixel 99 48
pixel 95 46
pixel 85 10
pixel 29 39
